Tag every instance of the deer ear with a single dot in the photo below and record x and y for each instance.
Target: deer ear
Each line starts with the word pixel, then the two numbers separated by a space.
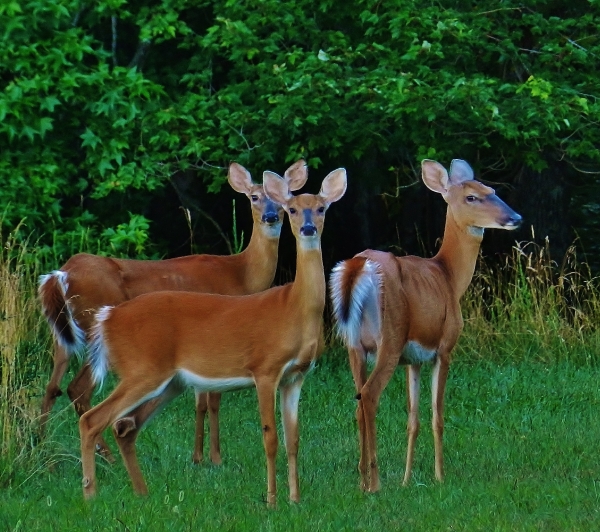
pixel 296 175
pixel 239 178
pixel 333 186
pixel 460 171
pixel 434 176
pixel 276 188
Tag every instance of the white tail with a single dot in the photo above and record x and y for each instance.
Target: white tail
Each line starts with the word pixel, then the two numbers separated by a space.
pixel 158 343
pixel 65 329
pixel 406 310
pixel 71 296
pixel 98 357
pixel 362 310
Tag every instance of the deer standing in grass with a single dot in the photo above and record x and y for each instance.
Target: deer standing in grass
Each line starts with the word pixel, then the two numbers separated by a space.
pixel 406 310
pixel 161 342
pixel 71 296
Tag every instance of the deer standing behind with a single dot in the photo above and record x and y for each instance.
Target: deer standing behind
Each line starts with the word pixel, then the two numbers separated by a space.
pixel 71 296
pixel 161 342
pixel 406 310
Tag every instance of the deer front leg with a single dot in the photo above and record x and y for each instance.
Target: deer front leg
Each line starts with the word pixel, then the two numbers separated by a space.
pixel 214 400
pixel 266 403
pixel 201 408
pixel 359 373
pixel 290 397
pixel 413 374
pixel 438 386
pixel 207 401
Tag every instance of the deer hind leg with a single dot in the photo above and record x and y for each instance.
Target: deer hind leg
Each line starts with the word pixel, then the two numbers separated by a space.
pixel 387 360
pixel 358 366
pixel 413 375
pixel 201 408
pixel 126 430
pixel 265 389
pixel 94 421
pixel 290 396
pixel 214 400
pixel 80 392
pixel 61 364
pixel 438 386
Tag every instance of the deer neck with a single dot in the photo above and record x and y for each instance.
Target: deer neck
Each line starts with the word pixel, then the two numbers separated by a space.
pixel 309 284
pixel 459 252
pixel 260 257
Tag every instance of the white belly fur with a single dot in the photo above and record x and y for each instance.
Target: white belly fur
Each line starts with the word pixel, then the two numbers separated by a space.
pixel 415 353
pixel 204 384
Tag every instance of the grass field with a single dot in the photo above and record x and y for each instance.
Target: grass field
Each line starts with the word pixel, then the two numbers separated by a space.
pixel 521 438
pixel 520 446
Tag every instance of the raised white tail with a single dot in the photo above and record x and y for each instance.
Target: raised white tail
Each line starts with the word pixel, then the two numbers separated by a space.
pixel 65 329
pixel 355 287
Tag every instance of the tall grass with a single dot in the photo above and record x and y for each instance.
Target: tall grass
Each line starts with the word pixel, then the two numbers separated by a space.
pixel 530 306
pixel 527 307
pixel 21 358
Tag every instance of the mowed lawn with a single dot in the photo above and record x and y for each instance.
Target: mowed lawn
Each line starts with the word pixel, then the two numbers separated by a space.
pixel 521 452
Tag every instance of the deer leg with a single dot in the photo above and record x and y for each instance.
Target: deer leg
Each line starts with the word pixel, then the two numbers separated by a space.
pixel 290 396
pixel 413 375
pixel 61 364
pixel 387 360
pixel 438 386
pixel 126 430
pixel 266 403
pixel 94 421
pixel 201 408
pixel 214 400
pixel 80 392
pixel 359 373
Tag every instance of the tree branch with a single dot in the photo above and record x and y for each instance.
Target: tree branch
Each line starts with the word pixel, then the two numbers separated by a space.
pixel 113 22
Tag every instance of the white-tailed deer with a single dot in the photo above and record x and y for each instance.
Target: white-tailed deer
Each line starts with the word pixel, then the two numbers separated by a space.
pixel 71 296
pixel 161 342
pixel 406 310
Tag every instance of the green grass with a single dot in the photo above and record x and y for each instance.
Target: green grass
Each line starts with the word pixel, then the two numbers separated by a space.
pixel 520 447
pixel 522 406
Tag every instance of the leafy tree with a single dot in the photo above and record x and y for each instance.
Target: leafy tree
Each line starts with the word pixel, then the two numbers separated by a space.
pixel 106 107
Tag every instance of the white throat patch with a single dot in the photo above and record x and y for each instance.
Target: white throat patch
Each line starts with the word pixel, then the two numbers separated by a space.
pixel 271 231
pixel 310 242
pixel 476 231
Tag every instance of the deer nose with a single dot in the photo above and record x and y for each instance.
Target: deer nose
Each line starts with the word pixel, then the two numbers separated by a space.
pixel 308 230
pixel 270 217
pixel 514 220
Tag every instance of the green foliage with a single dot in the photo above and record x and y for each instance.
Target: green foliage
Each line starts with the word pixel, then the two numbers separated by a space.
pixel 101 104
pixel 128 239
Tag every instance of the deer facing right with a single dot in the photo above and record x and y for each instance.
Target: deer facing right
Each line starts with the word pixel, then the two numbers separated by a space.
pixel 406 310
pixel 161 342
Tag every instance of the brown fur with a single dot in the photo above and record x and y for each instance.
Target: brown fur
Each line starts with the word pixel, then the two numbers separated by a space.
pixel 270 339
pixel 420 312
pixel 95 281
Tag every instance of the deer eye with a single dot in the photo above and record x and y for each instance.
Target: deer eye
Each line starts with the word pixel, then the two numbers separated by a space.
pixel 321 210
pixel 471 199
pixel 292 210
pixel 254 197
